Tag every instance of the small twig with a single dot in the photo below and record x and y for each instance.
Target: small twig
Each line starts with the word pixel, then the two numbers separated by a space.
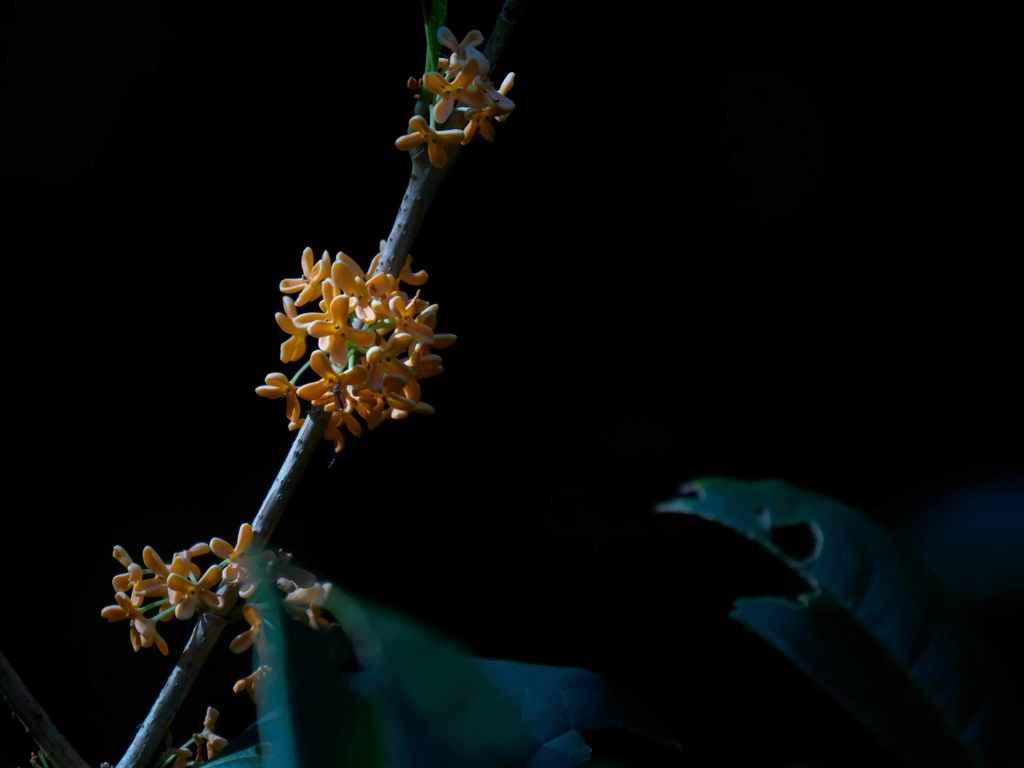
pixel 425 179
pixel 38 724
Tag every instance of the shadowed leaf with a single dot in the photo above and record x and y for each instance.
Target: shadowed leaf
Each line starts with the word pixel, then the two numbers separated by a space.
pixel 873 628
pixel 381 690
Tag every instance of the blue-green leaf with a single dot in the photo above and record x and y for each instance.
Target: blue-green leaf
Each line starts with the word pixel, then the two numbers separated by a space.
pixel 873 628
pixel 383 690
pixel 246 758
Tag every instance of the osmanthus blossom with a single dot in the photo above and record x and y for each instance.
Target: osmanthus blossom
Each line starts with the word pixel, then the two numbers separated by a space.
pixel 479 120
pixel 187 566
pixel 320 392
pixel 424 363
pixel 337 327
pixel 308 286
pixel 461 88
pixel 361 290
pixel 245 640
pixel 338 418
pixel 214 744
pixel 185 594
pixel 420 133
pixel 465 51
pixel 133 571
pixel 294 348
pixel 405 312
pixel 236 570
pixel 279 386
pixel 385 360
pixel 250 683
pixel 142 630
pixel 406 275
pixel 141 588
pixel 309 600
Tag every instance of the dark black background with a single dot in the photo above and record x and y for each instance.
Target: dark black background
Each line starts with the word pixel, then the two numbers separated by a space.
pixel 645 288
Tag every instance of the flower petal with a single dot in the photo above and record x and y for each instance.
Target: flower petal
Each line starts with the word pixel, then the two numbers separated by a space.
pixel 244 538
pixel 361 338
pixel 443 110
pixel 210 579
pixel 154 562
pixel 447 38
pixel 221 548
pixel 452 136
pixel 436 84
pixel 437 155
pixel 405 143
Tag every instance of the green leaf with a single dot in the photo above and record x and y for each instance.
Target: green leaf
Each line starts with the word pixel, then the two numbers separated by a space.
pixel 383 690
pixel 873 628
pixel 246 758
pixel 308 715
pixel 433 19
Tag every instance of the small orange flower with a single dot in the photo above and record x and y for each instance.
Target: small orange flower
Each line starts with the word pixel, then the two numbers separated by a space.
pixel 404 311
pixel 498 108
pixel 362 290
pixel 249 683
pixel 406 275
pixel 141 588
pixel 382 361
pixel 234 572
pixel 465 51
pixel 312 599
pixel 339 331
pixel 424 363
pixel 198 549
pixel 294 348
pixel 142 631
pixel 338 419
pixel 414 279
pixel 436 141
pixel 133 574
pixel 244 641
pixel 181 565
pixel 278 385
pixel 448 92
pixel 308 286
pixel 321 392
pixel 185 594
pixel 373 405
pixel 408 402
pixel 214 743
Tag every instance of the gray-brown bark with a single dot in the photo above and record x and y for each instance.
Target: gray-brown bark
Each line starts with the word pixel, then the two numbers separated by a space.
pixel 38 724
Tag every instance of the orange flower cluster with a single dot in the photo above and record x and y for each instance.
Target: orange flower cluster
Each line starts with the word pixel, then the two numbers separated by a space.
pixel 177 590
pixel 462 84
pixel 373 344
pixel 180 589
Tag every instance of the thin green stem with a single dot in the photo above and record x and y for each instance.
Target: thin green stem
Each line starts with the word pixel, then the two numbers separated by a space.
pixel 155 604
pixel 299 372
pixel 163 613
